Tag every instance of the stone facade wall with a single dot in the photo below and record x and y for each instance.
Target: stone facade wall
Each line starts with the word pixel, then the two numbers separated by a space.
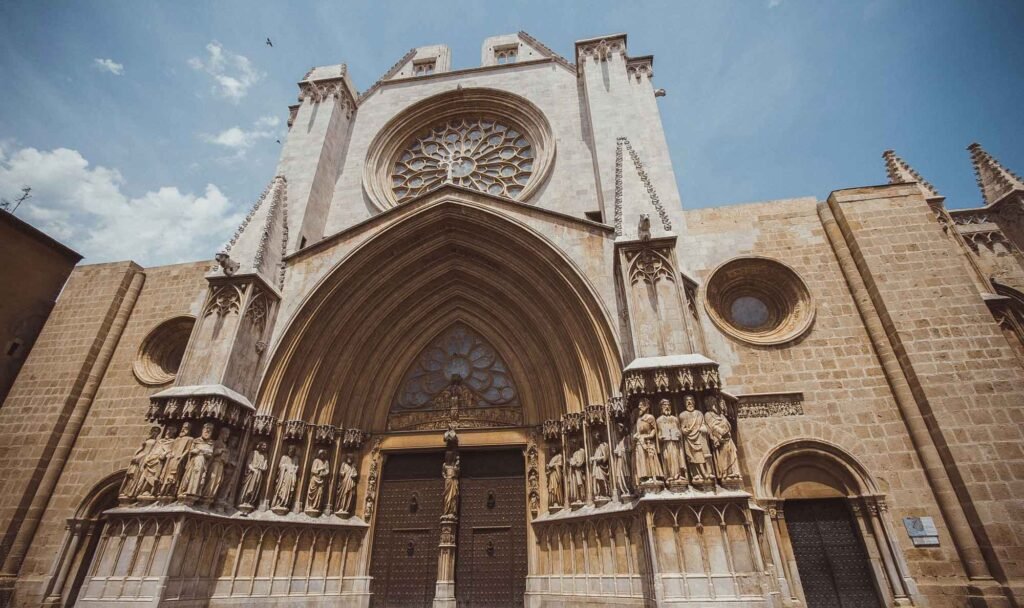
pixel 964 375
pixel 116 423
pixel 847 400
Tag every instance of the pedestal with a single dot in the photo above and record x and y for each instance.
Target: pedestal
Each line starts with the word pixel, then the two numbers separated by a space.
pixel 444 589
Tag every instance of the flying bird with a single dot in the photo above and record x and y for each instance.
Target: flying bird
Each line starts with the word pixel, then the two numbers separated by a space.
pixel 269 43
pixel 279 141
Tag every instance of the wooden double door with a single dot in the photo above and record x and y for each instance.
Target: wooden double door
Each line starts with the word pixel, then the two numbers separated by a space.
pixel 490 558
pixel 830 555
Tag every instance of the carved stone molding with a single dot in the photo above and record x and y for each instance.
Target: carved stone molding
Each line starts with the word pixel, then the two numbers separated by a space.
pixel 317 91
pixel 213 407
pixel 639 68
pixel 263 424
pixel 649 264
pixel 600 50
pixel 671 379
pixel 770 405
pixel 325 433
pixel 224 299
pixel 621 144
pixel 295 430
pixel 372 479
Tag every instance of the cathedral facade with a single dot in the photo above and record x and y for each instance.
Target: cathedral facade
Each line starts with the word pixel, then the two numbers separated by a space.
pixel 468 349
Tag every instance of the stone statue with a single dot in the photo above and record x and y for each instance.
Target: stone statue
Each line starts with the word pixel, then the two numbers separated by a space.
pixel 720 432
pixel 556 489
pixel 669 435
pixel 131 477
pixel 231 458
pixel 450 473
pixel 648 466
pixel 623 452
pixel 254 471
pixel 695 442
pixel 176 456
pixel 578 475
pixel 599 462
pixel 153 465
pixel 348 475
pixel 287 470
pixel 218 460
pixel 451 438
pixel 194 479
pixel 318 473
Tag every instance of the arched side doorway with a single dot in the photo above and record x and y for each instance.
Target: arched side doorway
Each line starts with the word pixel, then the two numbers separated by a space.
pixel 80 542
pixel 828 530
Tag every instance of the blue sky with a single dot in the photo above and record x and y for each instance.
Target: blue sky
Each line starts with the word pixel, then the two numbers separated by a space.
pixel 147 129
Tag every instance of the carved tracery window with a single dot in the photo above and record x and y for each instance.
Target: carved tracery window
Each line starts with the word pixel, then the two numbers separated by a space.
pixel 481 153
pixel 458 378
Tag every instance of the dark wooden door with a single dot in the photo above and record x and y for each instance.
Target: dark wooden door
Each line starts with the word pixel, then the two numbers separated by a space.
pixel 830 555
pixel 407 531
pixel 490 569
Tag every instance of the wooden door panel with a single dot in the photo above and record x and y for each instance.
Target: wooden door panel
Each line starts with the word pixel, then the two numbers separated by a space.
pixel 491 553
pixel 406 533
pixel 830 555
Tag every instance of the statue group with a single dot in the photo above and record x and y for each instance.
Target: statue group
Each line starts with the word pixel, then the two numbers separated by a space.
pixel 178 466
pixel 172 465
pixel 692 448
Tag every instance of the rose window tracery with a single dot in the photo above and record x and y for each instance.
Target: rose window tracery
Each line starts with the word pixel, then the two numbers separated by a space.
pixel 481 153
pixel 459 356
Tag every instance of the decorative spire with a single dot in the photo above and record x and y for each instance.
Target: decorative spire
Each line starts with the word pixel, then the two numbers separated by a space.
pixel 995 180
pixel 901 173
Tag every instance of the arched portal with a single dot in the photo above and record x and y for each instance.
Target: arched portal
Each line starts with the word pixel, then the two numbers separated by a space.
pixel 83 534
pixel 828 529
pixel 450 260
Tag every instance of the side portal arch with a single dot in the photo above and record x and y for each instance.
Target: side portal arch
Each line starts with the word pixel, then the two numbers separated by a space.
pixel 447 260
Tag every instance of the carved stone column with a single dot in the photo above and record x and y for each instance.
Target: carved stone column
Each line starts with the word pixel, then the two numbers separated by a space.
pixel 444 590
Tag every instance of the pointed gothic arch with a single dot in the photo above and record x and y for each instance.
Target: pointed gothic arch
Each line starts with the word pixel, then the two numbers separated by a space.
pixel 446 258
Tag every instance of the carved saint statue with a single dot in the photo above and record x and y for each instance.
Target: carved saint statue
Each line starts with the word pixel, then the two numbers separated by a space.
pixel 450 473
pixel 153 465
pixel 599 472
pixel 176 456
pixel 194 479
pixel 218 460
pixel 669 435
pixel 230 464
pixel 648 466
pixel 623 451
pixel 348 474
pixel 318 473
pixel 556 488
pixel 578 475
pixel 695 442
pixel 254 471
pixel 287 470
pixel 131 477
pixel 720 432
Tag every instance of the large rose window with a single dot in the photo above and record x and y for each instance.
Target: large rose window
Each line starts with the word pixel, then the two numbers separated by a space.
pixel 481 139
pixel 479 153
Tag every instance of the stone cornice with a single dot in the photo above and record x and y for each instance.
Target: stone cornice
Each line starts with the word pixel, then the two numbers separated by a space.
pixel 444 190
pixel 461 73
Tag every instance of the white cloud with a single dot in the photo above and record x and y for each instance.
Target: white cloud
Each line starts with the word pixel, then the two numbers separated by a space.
pixel 108 65
pixel 774 3
pixel 233 74
pixel 84 207
pixel 239 140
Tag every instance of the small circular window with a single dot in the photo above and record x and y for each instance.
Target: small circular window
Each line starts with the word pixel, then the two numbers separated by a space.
pixel 161 352
pixel 758 300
